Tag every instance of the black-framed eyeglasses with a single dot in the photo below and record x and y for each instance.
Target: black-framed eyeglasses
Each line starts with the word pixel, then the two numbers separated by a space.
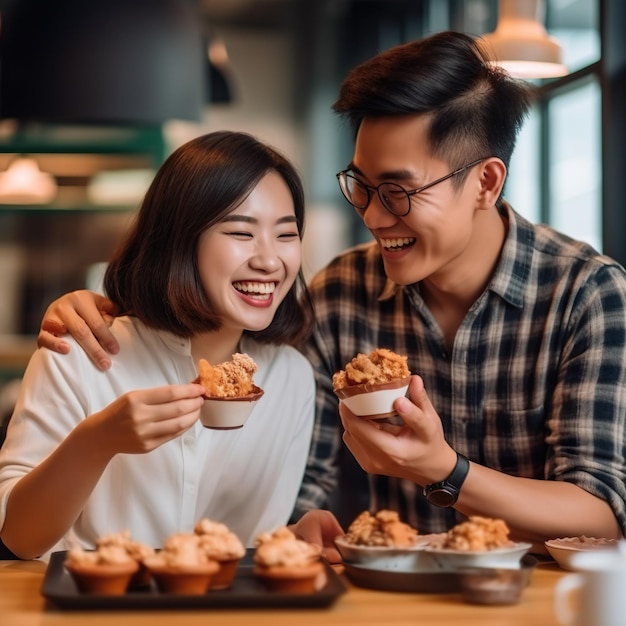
pixel 395 198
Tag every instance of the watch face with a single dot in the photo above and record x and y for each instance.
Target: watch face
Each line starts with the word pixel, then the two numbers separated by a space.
pixel 442 497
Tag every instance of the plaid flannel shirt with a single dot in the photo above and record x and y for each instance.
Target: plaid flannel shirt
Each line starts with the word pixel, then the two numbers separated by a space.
pixel 535 385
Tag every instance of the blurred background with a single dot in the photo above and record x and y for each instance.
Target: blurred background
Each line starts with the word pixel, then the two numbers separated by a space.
pixel 94 97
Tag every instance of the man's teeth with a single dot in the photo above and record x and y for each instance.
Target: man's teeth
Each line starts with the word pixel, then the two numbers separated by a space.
pixel 261 289
pixel 399 242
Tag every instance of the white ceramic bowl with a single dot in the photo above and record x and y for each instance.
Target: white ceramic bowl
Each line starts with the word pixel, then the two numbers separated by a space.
pixel 563 549
pixel 373 401
pixel 500 558
pixel 386 558
pixel 228 413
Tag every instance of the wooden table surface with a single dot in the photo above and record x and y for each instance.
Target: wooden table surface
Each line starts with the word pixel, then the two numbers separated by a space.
pixel 21 604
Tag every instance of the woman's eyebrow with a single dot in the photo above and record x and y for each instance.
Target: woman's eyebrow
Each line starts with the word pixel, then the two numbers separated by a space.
pixel 287 219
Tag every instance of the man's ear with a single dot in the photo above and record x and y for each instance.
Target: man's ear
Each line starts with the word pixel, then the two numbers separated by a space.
pixel 492 177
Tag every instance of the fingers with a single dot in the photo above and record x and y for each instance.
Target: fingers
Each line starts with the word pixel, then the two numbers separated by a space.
pixel 87 317
pixel 142 420
pixel 331 554
pixel 49 340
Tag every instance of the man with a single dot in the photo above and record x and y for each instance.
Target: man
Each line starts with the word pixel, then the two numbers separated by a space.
pixel 515 333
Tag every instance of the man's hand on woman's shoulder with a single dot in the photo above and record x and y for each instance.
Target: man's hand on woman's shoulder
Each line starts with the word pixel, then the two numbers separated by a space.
pixel 86 316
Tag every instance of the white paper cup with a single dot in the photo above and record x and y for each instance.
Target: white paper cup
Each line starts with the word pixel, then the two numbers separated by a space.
pixel 228 413
pixel 374 402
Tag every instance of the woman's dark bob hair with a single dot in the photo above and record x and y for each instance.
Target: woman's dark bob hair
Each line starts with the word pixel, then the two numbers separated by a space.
pixel 154 276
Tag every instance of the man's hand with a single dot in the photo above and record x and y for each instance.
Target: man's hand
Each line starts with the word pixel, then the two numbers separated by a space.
pixel 320 528
pixel 86 316
pixel 416 451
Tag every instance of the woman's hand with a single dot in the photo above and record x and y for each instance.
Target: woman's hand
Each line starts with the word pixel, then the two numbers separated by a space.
pixel 140 421
pixel 86 316
pixel 320 528
pixel 416 451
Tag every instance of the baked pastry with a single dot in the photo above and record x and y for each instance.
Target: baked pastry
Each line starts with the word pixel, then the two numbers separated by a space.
pixel 287 564
pixel 106 570
pixel 182 566
pixel 384 528
pixel 370 384
pixel 230 392
pixel 222 545
pixel 134 549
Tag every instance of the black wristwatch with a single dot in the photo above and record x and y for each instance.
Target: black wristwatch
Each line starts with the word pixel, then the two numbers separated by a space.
pixel 446 492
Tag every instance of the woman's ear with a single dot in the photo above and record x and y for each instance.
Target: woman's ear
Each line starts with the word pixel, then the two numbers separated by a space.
pixel 492 177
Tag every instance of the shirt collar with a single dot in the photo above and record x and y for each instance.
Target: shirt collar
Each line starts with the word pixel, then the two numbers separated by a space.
pixel 513 269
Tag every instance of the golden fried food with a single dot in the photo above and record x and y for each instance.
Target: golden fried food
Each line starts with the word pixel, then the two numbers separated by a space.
pixel 231 379
pixel 382 529
pixel 478 534
pixel 380 366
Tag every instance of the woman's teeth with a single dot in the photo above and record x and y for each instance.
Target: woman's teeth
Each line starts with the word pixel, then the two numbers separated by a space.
pixel 260 290
pixel 397 243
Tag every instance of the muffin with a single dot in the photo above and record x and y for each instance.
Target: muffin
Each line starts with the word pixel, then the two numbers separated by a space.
pixel 370 384
pixel 287 564
pixel 182 566
pixel 106 570
pixel 222 545
pixel 135 549
pixel 230 392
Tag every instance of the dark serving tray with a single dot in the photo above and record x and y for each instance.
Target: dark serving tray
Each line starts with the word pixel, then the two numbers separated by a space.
pixel 246 592
pixel 426 581
pixel 391 580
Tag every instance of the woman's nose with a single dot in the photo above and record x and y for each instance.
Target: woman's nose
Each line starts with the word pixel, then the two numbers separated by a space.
pixel 265 258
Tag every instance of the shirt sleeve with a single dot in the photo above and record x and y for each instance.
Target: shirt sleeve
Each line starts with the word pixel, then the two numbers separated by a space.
pixel 586 425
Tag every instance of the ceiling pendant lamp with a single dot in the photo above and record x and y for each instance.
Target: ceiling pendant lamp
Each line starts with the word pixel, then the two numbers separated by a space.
pixel 24 183
pixel 520 43
pixel 138 62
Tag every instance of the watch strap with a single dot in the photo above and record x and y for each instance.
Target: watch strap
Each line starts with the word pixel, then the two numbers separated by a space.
pixel 450 486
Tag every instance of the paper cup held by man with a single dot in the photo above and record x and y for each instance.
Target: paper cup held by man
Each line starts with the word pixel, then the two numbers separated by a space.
pixel 370 384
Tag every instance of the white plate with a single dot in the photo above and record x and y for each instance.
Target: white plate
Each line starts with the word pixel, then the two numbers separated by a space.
pixel 390 559
pixel 562 549
pixel 501 558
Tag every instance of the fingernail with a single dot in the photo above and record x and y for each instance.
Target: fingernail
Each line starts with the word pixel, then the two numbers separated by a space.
pixel 104 364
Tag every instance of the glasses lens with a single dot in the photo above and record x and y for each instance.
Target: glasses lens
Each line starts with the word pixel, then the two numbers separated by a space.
pixel 394 198
pixel 355 192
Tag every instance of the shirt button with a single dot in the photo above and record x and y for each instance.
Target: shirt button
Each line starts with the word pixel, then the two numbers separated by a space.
pixel 188 440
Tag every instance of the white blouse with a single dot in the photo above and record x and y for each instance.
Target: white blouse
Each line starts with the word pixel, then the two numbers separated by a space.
pixel 246 478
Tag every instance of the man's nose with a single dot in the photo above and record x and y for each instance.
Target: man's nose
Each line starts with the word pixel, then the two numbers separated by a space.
pixel 375 215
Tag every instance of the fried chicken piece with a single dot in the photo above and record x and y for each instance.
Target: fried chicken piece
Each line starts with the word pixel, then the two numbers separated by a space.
pixel 380 366
pixel 382 529
pixel 231 379
pixel 478 533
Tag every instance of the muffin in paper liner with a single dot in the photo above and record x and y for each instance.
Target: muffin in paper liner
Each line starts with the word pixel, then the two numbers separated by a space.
pixel 105 571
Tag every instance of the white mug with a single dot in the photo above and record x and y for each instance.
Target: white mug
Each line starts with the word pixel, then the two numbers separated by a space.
pixel 596 594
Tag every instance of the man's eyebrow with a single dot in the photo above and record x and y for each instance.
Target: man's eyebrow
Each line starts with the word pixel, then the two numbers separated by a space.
pixel 233 217
pixel 392 175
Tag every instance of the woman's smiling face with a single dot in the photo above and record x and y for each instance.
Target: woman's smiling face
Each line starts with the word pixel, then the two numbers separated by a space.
pixel 249 261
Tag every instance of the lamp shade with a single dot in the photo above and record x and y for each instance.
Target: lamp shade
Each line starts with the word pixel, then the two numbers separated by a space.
pixel 117 61
pixel 520 43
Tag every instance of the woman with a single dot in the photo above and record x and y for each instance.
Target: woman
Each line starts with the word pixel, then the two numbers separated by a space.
pixel 210 267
